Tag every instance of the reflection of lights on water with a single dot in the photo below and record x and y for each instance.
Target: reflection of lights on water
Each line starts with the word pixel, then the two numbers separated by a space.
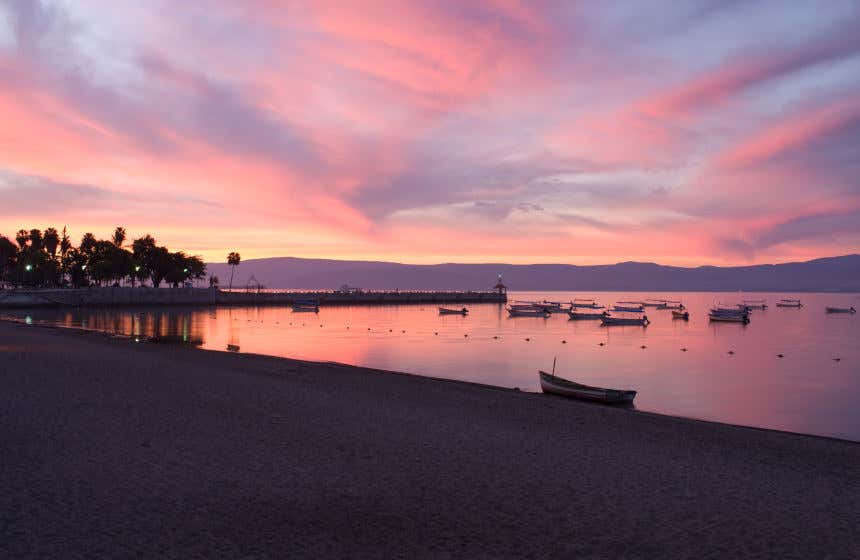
pixel 28 320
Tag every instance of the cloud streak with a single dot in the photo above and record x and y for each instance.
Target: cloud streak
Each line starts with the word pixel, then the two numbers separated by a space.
pixel 395 129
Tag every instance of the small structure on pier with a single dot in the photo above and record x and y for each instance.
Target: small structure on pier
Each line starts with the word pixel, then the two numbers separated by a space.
pixel 501 288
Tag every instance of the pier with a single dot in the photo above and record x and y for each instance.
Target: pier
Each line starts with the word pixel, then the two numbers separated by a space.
pixel 144 296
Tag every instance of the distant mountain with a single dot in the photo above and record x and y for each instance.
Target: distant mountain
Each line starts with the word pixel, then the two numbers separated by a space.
pixel 833 274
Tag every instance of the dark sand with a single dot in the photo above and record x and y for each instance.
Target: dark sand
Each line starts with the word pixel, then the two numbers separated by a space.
pixel 115 449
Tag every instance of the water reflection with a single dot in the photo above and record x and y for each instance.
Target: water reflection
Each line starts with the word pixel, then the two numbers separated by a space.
pixel 678 367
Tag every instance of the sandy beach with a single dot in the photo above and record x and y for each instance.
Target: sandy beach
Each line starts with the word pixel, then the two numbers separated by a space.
pixel 114 449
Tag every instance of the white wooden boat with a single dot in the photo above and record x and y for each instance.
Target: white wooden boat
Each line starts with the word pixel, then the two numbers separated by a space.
pixel 609 321
pixel 840 309
pixel 674 305
pixel 446 311
pixel 528 312
pixel 679 314
pixel 789 303
pixel 552 384
pixel 579 315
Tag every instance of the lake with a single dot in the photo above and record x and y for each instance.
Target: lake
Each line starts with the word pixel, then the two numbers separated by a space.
pixel 714 371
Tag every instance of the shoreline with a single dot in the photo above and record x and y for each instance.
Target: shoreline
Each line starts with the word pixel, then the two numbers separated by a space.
pixel 123 449
pixel 629 409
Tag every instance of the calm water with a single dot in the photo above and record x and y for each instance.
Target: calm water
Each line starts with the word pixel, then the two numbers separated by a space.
pixel 805 391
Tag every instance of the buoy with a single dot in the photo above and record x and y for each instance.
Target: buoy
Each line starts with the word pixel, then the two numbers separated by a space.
pixel 436 334
pixel 683 349
pixel 495 338
pixel 600 344
pixel 528 339
pixel 564 342
pixel 642 347
pixel 731 352
pixel 837 359
pixel 779 355
pixel 404 331
pixel 390 330
pixel 465 336
pixel 368 328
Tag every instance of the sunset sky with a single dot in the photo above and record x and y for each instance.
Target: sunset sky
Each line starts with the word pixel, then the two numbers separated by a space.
pixel 709 132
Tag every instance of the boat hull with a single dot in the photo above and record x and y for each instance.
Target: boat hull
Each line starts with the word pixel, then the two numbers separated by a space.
pixel 729 318
pixel 443 311
pixel 840 310
pixel 685 315
pixel 578 316
pixel 557 386
pixel 622 321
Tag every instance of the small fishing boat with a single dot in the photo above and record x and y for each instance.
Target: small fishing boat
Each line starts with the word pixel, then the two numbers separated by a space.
pixel 532 312
pixel 789 303
pixel 730 311
pixel 678 314
pixel 674 305
pixel 446 311
pixel 656 303
pixel 759 304
pixel 624 309
pixel 584 304
pixel 729 318
pixel 639 303
pixel 840 309
pixel 306 307
pixel 579 315
pixel 552 307
pixel 609 321
pixel 552 384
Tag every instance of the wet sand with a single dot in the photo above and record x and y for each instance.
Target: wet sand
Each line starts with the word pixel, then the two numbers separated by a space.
pixel 115 449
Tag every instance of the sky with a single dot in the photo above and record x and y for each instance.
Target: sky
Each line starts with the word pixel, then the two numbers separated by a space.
pixel 699 132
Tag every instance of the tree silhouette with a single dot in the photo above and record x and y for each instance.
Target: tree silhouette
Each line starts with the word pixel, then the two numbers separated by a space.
pixel 51 240
pixel 233 259
pixel 119 236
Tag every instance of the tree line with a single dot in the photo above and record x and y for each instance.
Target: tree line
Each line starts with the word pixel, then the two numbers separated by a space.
pixel 49 259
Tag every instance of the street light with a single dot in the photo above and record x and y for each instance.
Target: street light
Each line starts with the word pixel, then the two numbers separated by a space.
pixel 28 268
pixel 185 270
pixel 137 268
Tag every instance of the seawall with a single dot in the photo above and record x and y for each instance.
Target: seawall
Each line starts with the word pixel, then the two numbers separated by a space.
pixel 142 296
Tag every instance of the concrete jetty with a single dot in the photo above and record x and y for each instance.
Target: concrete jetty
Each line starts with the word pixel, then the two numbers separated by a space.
pixel 143 296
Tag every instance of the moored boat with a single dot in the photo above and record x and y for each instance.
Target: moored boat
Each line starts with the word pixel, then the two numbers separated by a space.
pixel 584 304
pixel 306 306
pixel 678 314
pixel 446 311
pixel 674 305
pixel 729 317
pixel 840 310
pixel 579 315
pixel 789 303
pixel 759 304
pixel 550 383
pixel 532 312
pixel 609 321
pixel 656 303
pixel 625 309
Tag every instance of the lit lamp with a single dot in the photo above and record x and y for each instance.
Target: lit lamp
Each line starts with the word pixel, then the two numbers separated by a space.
pixel 28 268
pixel 137 268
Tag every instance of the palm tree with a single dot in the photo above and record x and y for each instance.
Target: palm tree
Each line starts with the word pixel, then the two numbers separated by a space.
pixel 51 239
pixel 119 236
pixel 22 237
pixel 8 256
pixel 233 259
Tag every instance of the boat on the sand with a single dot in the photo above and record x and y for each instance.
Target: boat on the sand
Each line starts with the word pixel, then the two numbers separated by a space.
pixel 555 385
pixel 840 309
pixel 446 311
